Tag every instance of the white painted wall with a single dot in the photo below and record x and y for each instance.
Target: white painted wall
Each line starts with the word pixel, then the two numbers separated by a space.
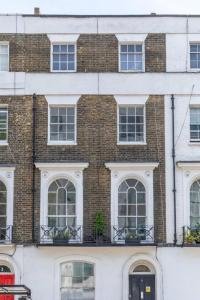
pixel 179 269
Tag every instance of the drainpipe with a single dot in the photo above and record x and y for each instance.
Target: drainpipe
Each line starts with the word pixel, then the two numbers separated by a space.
pixel 34 97
pixel 174 167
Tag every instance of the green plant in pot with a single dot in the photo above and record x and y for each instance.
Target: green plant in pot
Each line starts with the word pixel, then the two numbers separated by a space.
pixel 61 237
pixel 193 236
pixel 131 237
pixel 99 226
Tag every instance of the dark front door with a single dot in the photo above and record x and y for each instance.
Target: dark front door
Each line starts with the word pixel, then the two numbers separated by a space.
pixel 142 287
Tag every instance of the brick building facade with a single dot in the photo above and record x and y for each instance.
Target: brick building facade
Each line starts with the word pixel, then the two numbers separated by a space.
pixel 86 132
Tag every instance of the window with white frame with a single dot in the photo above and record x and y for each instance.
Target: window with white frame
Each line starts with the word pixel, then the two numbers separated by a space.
pixel 64 57
pixel 4 57
pixel 195 55
pixel 77 281
pixel 195 124
pixel 3 124
pixel 131 206
pixel 131 125
pixel 3 206
pixel 131 57
pixel 62 203
pixel 62 124
pixel 195 204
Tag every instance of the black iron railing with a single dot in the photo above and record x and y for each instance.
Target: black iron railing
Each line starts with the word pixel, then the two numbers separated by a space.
pixel 60 235
pixel 6 234
pixel 191 235
pixel 139 235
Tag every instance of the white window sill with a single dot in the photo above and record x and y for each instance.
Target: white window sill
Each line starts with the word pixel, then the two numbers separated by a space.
pixel 131 144
pixel 64 71
pixel 3 143
pixel 61 143
pixel 193 70
pixel 197 143
pixel 131 71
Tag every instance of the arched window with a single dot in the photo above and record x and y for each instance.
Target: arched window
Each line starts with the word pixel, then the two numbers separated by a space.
pixel 195 203
pixel 131 205
pixel 141 269
pixel 3 205
pixel 77 281
pixel 62 203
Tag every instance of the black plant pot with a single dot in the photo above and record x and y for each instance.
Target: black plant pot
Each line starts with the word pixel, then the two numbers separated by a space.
pixel 60 241
pixel 132 241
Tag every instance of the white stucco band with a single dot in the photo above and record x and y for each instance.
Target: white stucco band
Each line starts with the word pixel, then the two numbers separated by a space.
pixel 140 171
pixel 7 177
pixel 52 171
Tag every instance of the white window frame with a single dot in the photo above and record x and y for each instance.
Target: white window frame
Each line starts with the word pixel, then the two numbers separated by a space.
pixel 52 171
pixel 188 173
pixel 131 142
pixel 75 57
pixel 189 62
pixel 74 142
pixel 7 177
pixel 119 56
pixel 5 142
pixel 192 141
pixel 140 171
pixel 6 44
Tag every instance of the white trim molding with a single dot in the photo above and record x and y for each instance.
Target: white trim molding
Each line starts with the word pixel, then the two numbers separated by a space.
pixel 52 171
pixel 7 177
pixel 81 258
pixel 187 173
pixel 122 38
pixel 131 99
pixel 62 99
pixel 142 171
pixel 63 38
pixel 66 102
pixel 147 260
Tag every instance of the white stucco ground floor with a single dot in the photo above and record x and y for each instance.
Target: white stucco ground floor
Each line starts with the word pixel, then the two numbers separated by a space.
pixel 176 270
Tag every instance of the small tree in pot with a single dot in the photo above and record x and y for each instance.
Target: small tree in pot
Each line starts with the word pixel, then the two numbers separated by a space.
pixel 99 226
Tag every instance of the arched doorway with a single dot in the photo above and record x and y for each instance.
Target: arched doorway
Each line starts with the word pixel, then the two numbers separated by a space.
pixel 7 277
pixel 142 282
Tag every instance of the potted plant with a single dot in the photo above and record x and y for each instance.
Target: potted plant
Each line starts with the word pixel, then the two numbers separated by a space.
pixel 193 236
pixel 99 226
pixel 190 239
pixel 131 238
pixel 61 237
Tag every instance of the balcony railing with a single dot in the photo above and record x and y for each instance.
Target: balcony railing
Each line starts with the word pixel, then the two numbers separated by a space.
pixel 6 234
pixel 191 235
pixel 75 235
pixel 133 236
pixel 60 235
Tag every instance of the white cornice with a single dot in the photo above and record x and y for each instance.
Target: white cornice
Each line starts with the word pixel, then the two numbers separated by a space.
pixel 7 169
pixel 189 165
pixel 62 166
pixel 132 166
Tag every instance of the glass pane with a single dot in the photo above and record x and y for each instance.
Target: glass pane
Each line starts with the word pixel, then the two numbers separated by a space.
pixel 131 195
pixel 141 210
pixel 140 198
pixel 71 198
pixel 88 270
pixel 70 187
pixel 67 269
pixel 2 187
pixel 61 195
pixel 71 210
pixel 53 187
pixel 51 210
pixel 122 210
pixel 140 187
pixel 62 210
pixel 132 210
pixel 131 182
pixel 123 187
pixel 122 198
pixel 62 182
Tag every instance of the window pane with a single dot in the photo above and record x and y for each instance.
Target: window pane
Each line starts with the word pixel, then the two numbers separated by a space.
pixel 195 123
pixel 64 57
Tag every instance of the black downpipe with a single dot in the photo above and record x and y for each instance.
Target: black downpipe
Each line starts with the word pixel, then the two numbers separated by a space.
pixel 174 166
pixel 33 166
